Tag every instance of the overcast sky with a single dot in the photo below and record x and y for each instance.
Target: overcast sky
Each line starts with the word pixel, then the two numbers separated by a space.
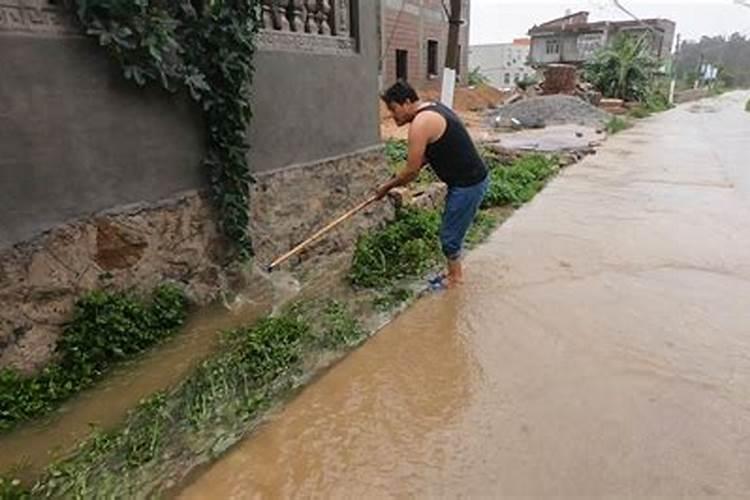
pixel 503 20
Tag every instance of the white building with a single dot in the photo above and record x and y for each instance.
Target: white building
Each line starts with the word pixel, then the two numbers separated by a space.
pixel 503 63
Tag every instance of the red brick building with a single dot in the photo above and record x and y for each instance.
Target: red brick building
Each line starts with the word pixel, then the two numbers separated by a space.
pixel 414 38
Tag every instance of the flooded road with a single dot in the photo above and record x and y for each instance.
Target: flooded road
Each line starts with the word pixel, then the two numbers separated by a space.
pixel 600 348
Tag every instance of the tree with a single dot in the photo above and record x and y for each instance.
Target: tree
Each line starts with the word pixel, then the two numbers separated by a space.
pixel 731 54
pixel 626 69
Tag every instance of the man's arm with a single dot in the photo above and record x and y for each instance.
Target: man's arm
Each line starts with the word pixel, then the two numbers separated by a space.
pixel 420 134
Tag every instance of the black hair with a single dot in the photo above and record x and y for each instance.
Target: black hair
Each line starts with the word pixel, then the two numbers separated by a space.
pixel 400 93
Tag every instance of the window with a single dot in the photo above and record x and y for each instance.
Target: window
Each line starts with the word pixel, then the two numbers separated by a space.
pixel 553 46
pixel 517 78
pixel 507 78
pixel 432 58
pixel 402 64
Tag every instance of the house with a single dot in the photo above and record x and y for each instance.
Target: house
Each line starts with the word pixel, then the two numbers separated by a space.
pixel 572 39
pixel 111 179
pixel 414 39
pixel 504 64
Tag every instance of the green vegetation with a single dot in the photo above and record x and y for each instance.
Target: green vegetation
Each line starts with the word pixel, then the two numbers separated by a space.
pixel 731 55
pixel 206 48
pixel 747 106
pixel 396 152
pixel 617 125
pixel 623 70
pixel 476 77
pixel 207 413
pixel 527 82
pixel 518 183
pixel 11 489
pixel 106 329
pixel 409 247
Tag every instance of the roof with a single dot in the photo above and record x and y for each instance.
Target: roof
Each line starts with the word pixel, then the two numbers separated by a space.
pixel 551 27
pixel 577 18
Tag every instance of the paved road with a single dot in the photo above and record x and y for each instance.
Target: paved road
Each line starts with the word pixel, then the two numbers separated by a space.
pixel 601 348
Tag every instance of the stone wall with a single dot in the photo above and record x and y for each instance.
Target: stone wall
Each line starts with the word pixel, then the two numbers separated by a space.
pixel 141 246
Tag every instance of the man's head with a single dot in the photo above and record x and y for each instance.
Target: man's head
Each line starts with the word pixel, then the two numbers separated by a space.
pixel 402 101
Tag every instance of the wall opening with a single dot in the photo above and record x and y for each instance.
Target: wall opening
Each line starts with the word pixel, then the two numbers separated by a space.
pixel 432 58
pixel 402 64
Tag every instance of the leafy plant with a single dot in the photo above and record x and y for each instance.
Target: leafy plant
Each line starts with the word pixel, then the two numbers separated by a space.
pixel 12 489
pixel 617 125
pixel 340 328
pixel 517 183
pixel 526 83
pixel 406 247
pixel 476 77
pixel 105 330
pixel 623 70
pixel 396 151
pixel 206 48
pixel 205 414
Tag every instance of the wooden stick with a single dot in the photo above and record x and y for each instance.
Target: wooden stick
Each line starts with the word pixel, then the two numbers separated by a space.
pixel 348 215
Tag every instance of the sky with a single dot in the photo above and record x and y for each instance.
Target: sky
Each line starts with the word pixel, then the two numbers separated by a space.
pixel 495 21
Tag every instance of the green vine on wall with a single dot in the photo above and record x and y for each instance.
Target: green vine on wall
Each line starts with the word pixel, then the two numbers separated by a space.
pixel 206 46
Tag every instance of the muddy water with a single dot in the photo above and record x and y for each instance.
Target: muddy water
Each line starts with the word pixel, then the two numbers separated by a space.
pixel 27 451
pixel 600 348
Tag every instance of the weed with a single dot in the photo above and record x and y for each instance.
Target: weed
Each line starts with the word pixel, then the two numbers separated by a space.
pixel 11 489
pixel 519 182
pixel 392 298
pixel 617 125
pixel 222 393
pixel 106 329
pixel 340 328
pixel 407 247
pixel 639 112
pixel 396 151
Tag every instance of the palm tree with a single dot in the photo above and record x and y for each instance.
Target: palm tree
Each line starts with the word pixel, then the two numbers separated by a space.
pixel 625 69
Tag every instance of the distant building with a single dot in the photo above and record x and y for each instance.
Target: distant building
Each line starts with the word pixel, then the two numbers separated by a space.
pixel 414 39
pixel 504 64
pixel 573 39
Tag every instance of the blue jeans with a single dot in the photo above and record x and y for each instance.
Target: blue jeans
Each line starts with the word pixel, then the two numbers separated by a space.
pixel 461 205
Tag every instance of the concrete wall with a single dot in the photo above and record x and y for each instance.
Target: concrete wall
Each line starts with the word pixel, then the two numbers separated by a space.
pixel 76 139
pixel 309 106
pixel 501 62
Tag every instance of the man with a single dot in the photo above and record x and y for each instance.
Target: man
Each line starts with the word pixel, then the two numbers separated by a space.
pixel 438 137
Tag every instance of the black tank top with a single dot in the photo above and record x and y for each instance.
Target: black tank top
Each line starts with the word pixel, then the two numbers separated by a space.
pixel 453 157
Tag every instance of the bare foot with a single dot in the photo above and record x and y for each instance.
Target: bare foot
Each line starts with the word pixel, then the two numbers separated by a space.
pixel 455 274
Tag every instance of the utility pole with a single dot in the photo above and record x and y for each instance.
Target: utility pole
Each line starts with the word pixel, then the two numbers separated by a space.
pixel 452 61
pixel 673 68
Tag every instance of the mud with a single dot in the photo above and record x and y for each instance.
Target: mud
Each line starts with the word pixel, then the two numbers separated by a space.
pixel 600 348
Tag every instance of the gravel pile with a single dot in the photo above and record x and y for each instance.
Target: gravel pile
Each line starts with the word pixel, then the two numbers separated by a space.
pixel 541 111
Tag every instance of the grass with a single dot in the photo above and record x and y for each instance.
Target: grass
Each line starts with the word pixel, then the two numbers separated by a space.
pixel 396 152
pixel 106 329
pixel 409 247
pixel 207 413
pixel 616 125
